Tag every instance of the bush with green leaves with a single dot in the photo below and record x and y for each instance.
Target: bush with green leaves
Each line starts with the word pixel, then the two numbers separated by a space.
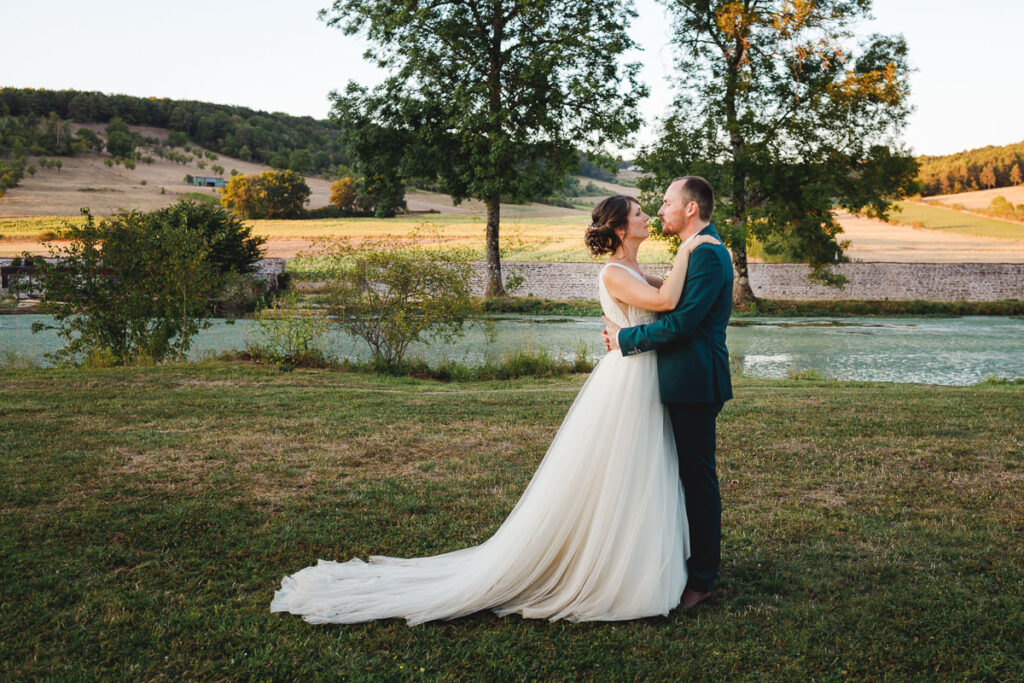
pixel 127 289
pixel 288 334
pixel 137 286
pixel 232 246
pixel 391 295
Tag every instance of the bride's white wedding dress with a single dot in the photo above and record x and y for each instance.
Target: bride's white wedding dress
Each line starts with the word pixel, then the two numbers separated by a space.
pixel 599 533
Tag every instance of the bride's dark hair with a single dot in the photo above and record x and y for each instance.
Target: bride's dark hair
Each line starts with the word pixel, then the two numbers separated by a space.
pixel 609 214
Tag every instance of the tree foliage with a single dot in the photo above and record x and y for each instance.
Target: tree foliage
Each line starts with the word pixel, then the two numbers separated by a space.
pixel 234 131
pixel 231 246
pixel 493 98
pixel 271 194
pixel 120 142
pixel 390 295
pixel 787 114
pixel 974 169
pixel 343 194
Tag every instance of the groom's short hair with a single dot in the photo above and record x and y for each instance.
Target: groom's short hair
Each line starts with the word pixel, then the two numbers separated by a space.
pixel 696 189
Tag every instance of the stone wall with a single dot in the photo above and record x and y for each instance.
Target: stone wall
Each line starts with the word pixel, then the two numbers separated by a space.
pixel 867 281
pixel 268 270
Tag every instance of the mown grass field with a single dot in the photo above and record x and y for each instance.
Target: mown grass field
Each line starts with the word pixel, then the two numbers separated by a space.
pixel 871 531
pixel 948 220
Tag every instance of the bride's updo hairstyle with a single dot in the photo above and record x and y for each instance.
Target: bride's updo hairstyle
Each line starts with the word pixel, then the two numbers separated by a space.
pixel 610 214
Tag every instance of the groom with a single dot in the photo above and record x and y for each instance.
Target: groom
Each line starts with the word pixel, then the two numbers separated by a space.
pixel 693 371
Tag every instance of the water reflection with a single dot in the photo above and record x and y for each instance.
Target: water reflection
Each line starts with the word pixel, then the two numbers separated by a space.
pixel 955 351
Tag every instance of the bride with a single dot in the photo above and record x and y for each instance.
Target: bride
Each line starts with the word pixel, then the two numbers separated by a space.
pixel 599 534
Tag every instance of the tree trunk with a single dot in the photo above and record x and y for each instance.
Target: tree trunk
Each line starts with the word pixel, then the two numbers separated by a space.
pixel 495 286
pixel 742 294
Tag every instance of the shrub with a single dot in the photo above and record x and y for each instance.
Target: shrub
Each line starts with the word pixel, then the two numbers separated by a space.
pixel 127 289
pixel 289 335
pixel 136 287
pixel 328 211
pixel 344 194
pixel 232 246
pixel 390 295
pixel 239 294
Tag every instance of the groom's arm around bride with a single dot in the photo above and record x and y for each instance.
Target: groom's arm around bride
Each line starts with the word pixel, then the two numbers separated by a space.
pixel 693 371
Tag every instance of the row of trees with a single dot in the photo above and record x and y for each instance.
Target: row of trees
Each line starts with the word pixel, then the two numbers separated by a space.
pixel 302 144
pixel 779 104
pixel 975 169
pixel 32 135
pixel 37 136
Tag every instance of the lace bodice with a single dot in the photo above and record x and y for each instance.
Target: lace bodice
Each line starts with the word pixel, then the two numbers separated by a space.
pixel 611 308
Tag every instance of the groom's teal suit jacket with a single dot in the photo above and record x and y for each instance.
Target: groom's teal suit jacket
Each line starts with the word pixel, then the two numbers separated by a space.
pixel 693 363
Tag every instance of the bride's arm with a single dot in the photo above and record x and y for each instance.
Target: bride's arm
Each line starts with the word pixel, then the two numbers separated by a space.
pixel 627 289
pixel 653 280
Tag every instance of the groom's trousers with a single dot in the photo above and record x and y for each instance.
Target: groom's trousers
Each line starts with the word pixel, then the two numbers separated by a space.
pixel 694 427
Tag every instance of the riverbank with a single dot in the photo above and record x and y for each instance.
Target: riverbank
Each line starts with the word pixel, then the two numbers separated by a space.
pixel 779 307
pixel 149 514
pixel 591 307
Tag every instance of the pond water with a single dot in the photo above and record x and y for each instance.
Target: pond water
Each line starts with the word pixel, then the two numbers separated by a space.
pixel 954 351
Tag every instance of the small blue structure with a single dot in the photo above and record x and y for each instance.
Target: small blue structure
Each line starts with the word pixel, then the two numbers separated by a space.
pixel 208 181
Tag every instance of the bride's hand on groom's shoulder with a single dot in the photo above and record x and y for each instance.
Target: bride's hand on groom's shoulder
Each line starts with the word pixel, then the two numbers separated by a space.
pixel 701 239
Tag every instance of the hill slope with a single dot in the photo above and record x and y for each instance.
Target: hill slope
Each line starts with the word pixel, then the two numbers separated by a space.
pixel 87 181
pixel 300 143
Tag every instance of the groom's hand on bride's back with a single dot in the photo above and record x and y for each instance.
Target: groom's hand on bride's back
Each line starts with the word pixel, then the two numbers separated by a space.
pixel 610 334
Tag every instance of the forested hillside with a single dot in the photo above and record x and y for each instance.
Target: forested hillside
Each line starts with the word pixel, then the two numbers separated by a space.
pixel 37 123
pixel 301 144
pixel 975 169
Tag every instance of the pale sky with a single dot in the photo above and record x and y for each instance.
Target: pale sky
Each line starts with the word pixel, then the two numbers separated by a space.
pixel 276 56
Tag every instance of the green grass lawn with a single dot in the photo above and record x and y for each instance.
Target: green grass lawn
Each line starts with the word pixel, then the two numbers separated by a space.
pixel 957 221
pixel 871 531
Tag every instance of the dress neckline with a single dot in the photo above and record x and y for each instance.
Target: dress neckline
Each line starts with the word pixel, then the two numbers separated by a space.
pixel 620 265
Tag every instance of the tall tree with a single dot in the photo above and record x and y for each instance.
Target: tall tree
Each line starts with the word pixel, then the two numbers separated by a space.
pixel 512 89
pixel 787 114
pixel 1015 175
pixel 987 177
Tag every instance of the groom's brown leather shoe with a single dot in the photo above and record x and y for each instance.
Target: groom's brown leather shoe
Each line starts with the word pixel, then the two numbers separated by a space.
pixel 692 598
